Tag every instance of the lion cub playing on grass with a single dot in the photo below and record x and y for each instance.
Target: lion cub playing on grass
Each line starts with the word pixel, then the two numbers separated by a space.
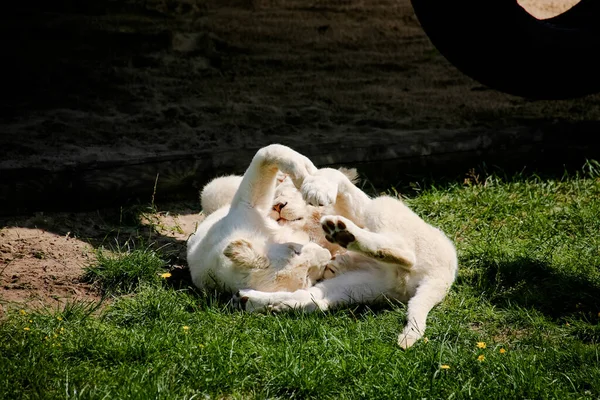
pixel 391 252
pixel 239 246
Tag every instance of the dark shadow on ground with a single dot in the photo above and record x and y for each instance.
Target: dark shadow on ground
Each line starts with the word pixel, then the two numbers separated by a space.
pixel 65 55
pixel 535 284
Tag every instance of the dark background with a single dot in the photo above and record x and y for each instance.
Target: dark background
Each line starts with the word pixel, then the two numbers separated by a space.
pixel 94 85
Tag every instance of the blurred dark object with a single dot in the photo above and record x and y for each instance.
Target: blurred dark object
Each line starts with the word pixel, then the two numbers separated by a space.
pixel 501 45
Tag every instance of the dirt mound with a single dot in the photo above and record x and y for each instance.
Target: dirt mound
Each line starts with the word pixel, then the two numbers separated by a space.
pixel 42 268
pixel 42 258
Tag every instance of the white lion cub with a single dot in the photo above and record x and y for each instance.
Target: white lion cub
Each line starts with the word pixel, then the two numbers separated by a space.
pixel 239 246
pixel 391 252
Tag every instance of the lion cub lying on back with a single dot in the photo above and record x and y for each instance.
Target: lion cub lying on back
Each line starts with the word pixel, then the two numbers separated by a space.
pixel 391 252
pixel 239 246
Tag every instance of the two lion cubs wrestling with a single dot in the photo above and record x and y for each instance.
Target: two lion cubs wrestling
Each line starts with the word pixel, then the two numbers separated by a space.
pixel 287 235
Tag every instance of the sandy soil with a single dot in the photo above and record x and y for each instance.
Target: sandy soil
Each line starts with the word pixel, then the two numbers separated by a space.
pixel 132 78
pixel 40 266
pixel 43 257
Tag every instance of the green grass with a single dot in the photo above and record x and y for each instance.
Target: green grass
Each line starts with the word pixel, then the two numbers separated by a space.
pixel 529 283
pixel 125 270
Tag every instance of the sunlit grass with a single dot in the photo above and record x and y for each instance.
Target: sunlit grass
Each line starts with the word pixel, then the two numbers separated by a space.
pixel 522 320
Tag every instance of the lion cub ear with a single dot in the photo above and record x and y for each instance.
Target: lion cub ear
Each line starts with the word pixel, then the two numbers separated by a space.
pixel 243 254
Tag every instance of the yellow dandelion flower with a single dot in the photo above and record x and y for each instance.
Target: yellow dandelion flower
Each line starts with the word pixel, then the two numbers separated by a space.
pixel 186 328
pixel 59 318
pixel 502 351
pixel 201 346
pixel 481 345
pixel 23 312
pixel 444 366
pixel 26 328
pixel 425 340
pixel 30 320
pixel 62 330
pixel 165 275
pixel 481 357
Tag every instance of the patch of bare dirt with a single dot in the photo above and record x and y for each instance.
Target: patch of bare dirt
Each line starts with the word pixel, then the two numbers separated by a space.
pixel 42 258
pixel 42 267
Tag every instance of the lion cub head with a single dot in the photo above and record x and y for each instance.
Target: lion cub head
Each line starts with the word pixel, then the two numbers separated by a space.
pixel 290 209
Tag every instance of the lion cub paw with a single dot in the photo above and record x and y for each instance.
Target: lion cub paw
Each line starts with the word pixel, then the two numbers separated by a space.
pixel 252 301
pixel 336 230
pixel 318 191
pixel 407 339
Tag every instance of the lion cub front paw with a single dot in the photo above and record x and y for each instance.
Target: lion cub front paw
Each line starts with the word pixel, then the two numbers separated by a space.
pixel 408 338
pixel 251 301
pixel 318 191
pixel 336 230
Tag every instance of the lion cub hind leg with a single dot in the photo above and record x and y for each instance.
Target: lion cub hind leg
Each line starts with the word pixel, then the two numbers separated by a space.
pixel 429 293
pixel 384 247
pixel 243 254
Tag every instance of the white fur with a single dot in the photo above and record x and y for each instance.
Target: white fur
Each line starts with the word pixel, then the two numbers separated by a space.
pixel 289 208
pixel 239 246
pixel 391 253
pixel 218 193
